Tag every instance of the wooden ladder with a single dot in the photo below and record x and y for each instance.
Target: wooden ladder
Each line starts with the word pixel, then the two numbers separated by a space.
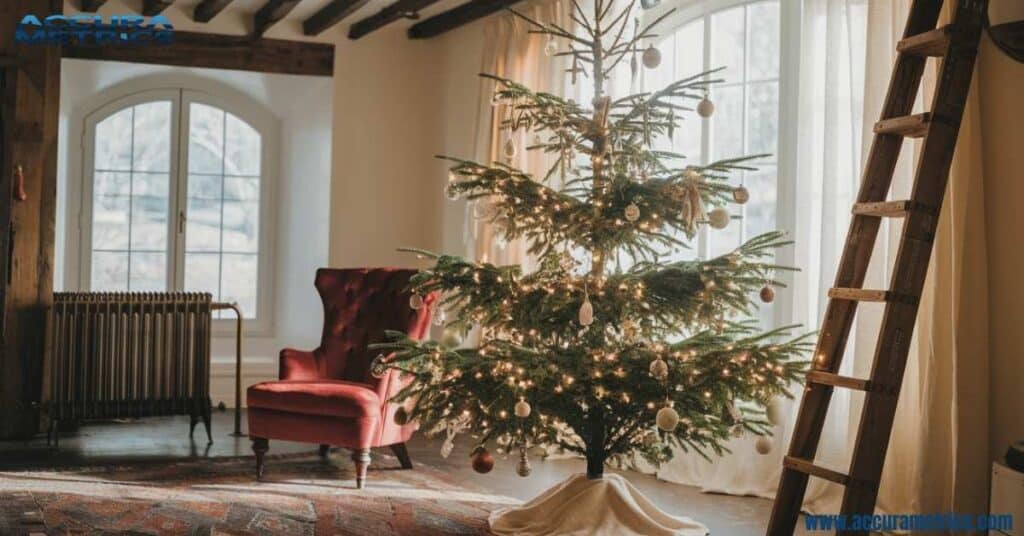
pixel 956 45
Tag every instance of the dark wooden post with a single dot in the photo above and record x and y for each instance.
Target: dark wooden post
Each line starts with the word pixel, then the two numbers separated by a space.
pixel 29 106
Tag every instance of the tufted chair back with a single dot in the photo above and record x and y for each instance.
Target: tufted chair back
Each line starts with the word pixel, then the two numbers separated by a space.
pixel 360 304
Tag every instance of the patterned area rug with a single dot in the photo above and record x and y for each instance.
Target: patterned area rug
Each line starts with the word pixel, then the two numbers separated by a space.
pixel 301 494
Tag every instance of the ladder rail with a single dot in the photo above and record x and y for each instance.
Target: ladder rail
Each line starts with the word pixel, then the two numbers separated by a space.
pixel 876 182
pixel 912 259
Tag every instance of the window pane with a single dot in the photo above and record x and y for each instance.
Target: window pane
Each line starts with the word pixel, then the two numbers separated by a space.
pixel 242 188
pixel 114 142
pixel 148 272
pixel 204 187
pixel 763 118
pixel 689 49
pixel 149 223
pixel 763 22
pixel 238 281
pixel 760 210
pixel 205 139
pixel 151 145
pixel 110 222
pixel 242 154
pixel 203 230
pixel 727 122
pixel 203 273
pixel 109 270
pixel 109 183
pixel 727 43
pixel 241 226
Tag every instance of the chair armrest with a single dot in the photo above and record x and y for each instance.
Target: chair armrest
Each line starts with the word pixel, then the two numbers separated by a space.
pixel 297 365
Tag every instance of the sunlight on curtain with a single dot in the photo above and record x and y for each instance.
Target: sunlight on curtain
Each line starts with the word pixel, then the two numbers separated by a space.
pixel 512 52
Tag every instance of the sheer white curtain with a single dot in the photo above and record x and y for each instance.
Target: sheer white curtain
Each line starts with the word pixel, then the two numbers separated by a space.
pixel 822 135
pixel 511 52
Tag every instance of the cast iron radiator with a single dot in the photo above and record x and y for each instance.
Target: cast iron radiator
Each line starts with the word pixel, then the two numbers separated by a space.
pixel 128 355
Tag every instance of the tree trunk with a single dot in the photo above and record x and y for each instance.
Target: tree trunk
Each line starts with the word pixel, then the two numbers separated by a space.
pixel 594 440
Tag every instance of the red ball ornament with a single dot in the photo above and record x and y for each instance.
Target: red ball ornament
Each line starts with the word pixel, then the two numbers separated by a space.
pixel 483 462
pixel 767 294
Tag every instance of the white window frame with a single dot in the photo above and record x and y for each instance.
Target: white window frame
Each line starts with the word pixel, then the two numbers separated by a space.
pixel 790 15
pixel 79 268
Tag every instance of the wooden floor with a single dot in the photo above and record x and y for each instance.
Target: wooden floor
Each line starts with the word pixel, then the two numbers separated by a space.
pixel 166 438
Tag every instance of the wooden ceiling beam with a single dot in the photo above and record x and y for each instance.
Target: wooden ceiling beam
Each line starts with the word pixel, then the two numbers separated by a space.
pixel 456 17
pixel 272 12
pixel 215 51
pixel 155 7
pixel 402 9
pixel 92 6
pixel 331 14
pixel 208 9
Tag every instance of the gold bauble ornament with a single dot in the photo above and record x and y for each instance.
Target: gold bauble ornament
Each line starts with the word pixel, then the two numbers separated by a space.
pixel 652 57
pixel 718 218
pixel 741 195
pixel 764 445
pixel 705 107
pixel 522 409
pixel 659 369
pixel 667 419
pixel 451 338
pixel 416 302
pixel 632 212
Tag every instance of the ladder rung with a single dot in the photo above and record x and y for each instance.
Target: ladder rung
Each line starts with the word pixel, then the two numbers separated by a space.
pixel 933 43
pixel 808 467
pixel 827 378
pixel 868 295
pixel 910 126
pixel 883 209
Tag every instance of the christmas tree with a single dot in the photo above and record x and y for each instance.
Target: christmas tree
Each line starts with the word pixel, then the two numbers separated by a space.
pixel 599 359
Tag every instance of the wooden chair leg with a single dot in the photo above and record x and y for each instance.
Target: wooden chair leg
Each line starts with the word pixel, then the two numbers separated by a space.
pixel 325 450
pixel 402 454
pixel 361 457
pixel 260 446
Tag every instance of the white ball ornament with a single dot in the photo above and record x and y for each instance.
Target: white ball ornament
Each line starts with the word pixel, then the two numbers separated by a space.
pixel 416 301
pixel 586 312
pixel 764 445
pixel 667 419
pixel 741 195
pixel 522 409
pixel 632 212
pixel 705 108
pixel 446 448
pixel 659 369
pixel 718 218
pixel 652 57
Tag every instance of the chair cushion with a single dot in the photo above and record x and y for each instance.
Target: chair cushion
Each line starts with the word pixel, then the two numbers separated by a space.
pixel 333 398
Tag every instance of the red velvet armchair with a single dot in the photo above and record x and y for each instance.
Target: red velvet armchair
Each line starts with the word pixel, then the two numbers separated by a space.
pixel 329 396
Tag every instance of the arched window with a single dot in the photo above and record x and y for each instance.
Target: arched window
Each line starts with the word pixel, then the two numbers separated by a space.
pixel 744 38
pixel 174 199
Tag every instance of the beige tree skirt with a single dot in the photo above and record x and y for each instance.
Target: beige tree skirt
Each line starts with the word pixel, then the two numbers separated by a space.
pixel 609 506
